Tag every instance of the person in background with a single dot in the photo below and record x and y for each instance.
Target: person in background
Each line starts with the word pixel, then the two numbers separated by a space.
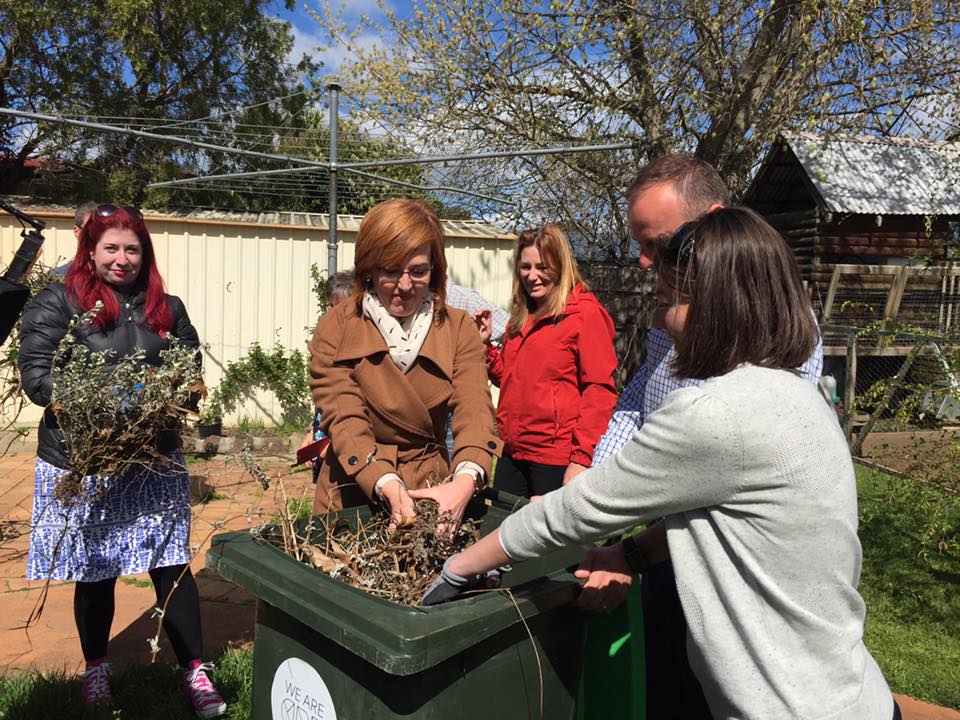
pixel 554 370
pixel 468 299
pixel 80 218
pixel 82 215
pixel 754 481
pixel 390 365
pixel 475 304
pixel 668 192
pixel 337 288
pixel 141 523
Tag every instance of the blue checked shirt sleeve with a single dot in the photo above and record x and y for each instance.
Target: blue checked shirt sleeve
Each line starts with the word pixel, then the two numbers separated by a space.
pixel 644 394
pixel 627 417
pixel 470 300
pixel 812 369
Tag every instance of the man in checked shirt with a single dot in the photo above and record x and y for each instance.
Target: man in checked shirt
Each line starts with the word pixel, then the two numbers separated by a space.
pixel 667 193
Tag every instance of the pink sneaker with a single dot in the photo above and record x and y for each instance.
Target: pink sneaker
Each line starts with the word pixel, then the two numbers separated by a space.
pixel 95 689
pixel 201 693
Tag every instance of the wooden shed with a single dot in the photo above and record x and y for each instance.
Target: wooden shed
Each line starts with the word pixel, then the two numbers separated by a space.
pixel 873 224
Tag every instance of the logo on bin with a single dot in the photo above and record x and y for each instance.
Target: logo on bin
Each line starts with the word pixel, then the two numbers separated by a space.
pixel 299 693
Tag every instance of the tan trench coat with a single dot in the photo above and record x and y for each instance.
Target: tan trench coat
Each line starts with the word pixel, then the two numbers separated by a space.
pixel 381 420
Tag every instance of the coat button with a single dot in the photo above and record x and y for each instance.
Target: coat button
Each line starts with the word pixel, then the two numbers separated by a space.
pixel 492 445
pixel 352 460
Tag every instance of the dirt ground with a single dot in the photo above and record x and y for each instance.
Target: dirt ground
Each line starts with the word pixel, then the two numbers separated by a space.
pixel 893 450
pixel 225 498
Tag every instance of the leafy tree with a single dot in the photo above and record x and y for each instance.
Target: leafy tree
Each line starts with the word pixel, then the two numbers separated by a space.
pixel 144 59
pixel 718 78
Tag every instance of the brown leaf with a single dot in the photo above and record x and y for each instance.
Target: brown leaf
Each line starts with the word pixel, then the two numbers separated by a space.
pixel 319 559
pixel 339 553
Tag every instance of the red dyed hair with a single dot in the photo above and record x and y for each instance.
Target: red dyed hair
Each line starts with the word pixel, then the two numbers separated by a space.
pixel 85 286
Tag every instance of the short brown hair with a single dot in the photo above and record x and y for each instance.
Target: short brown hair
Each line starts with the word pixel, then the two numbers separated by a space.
pixel 83 212
pixel 391 231
pixel 747 303
pixel 696 182
pixel 338 287
pixel 554 248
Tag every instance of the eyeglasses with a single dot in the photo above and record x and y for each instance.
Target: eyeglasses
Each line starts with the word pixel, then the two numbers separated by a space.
pixel 682 242
pixel 109 209
pixel 417 275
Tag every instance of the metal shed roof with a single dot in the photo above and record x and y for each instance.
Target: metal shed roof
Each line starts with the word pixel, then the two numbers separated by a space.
pixel 881 176
pixel 345 223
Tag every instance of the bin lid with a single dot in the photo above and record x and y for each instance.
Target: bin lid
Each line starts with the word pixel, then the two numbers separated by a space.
pixel 398 639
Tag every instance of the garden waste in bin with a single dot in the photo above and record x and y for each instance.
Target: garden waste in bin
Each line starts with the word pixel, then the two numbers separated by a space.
pixel 325 650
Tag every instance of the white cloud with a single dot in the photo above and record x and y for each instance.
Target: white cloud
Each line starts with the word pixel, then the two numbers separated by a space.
pixel 312 44
pixel 304 43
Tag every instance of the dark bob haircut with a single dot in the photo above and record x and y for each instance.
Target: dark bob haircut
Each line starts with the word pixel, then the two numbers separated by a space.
pixel 747 303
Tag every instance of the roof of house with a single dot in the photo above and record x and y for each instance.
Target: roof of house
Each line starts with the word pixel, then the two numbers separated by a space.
pixel 869 175
pixel 320 221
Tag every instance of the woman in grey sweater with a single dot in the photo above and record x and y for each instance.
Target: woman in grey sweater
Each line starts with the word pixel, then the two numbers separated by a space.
pixel 753 479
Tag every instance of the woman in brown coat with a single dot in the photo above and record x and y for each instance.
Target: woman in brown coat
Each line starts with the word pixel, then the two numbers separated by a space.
pixel 390 365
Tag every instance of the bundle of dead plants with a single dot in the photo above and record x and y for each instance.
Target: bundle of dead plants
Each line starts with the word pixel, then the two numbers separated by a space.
pixel 396 564
pixel 113 410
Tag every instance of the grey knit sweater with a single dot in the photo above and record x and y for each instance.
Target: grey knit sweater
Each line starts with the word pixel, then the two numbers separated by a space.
pixel 755 481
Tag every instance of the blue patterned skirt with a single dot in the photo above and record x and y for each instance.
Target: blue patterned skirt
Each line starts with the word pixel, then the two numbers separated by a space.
pixel 135 523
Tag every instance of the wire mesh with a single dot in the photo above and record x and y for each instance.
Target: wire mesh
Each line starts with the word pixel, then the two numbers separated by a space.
pixel 894 380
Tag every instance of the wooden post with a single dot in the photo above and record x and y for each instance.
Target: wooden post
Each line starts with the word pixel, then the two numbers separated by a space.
pixel 895 296
pixel 831 294
pixel 850 384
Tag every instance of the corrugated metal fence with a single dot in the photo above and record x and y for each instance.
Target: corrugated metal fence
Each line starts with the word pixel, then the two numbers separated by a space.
pixel 246 282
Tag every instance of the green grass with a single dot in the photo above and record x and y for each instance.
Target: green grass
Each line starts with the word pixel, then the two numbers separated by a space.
pixel 136 582
pixel 140 692
pixel 250 426
pixel 913 603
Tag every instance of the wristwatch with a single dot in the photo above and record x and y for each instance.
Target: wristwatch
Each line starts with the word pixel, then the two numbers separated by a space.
pixel 634 556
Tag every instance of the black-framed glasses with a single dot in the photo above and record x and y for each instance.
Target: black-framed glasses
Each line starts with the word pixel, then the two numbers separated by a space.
pixel 418 275
pixel 682 243
pixel 108 209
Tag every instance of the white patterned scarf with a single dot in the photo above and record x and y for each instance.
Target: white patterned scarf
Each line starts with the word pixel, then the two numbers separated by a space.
pixel 404 336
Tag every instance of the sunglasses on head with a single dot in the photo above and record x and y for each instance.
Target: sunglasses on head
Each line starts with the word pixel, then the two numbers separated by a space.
pixel 682 242
pixel 109 209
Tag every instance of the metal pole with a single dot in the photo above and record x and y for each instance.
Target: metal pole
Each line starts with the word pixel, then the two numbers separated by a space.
pixel 334 88
pixel 362 173
pixel 356 166
pixel 175 139
pixel 524 152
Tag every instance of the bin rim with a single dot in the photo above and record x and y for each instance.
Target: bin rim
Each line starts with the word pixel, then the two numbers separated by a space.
pixel 398 639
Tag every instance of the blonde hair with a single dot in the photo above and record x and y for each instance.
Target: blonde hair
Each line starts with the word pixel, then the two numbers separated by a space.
pixel 555 253
pixel 391 231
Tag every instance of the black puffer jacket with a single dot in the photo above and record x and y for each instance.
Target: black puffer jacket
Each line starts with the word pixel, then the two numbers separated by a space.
pixel 44 325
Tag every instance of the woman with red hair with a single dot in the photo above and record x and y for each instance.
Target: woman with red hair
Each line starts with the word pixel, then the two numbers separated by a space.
pixel 136 523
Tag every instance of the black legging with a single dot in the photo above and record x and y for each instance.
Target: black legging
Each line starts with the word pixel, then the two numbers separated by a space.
pixel 93 607
pixel 525 478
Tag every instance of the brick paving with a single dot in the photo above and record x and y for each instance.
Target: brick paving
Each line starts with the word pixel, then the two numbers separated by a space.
pixel 224 498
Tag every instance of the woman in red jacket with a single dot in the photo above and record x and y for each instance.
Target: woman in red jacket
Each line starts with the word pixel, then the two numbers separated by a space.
pixel 554 370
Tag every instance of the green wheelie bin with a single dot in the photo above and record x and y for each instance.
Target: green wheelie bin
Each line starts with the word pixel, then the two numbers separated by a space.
pixel 326 651
pixel 613 684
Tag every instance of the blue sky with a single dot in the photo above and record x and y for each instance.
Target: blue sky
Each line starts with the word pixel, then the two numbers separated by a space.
pixel 306 30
